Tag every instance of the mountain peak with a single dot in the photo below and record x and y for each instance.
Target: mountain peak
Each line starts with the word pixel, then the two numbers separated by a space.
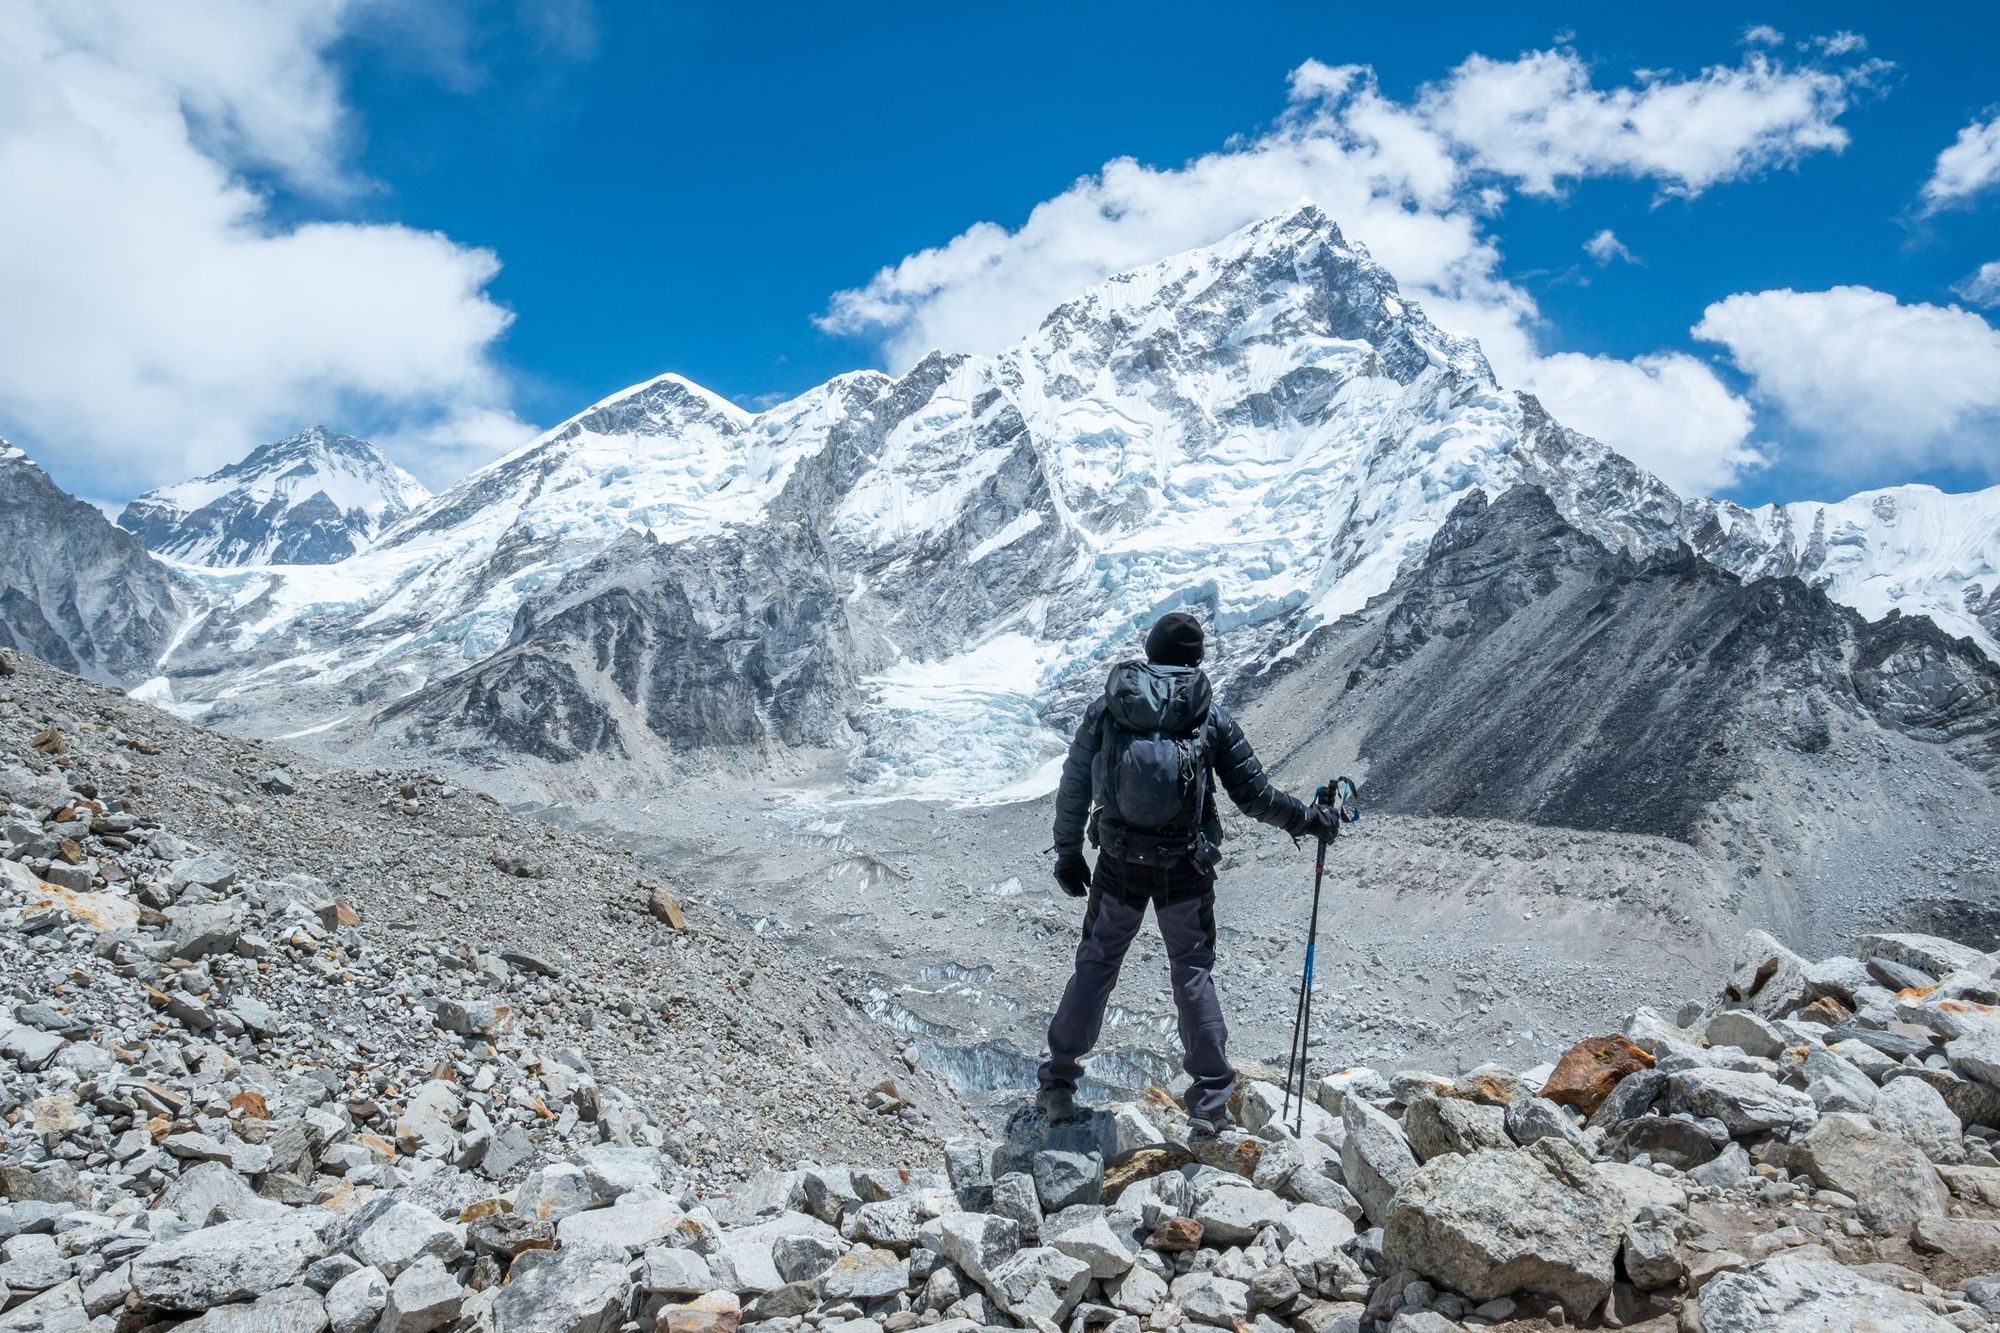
pixel 311 498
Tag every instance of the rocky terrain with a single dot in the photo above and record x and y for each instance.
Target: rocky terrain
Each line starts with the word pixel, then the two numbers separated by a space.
pixel 290 1049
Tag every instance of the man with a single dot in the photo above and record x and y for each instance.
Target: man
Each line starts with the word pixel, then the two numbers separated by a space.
pixel 1142 758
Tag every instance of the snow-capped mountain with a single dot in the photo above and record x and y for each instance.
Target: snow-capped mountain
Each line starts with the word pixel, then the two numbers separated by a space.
pixel 915 574
pixel 313 499
pixel 75 589
pixel 1264 428
pixel 1913 549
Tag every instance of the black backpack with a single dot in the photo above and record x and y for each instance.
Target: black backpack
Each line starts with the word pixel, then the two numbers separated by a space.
pixel 1153 753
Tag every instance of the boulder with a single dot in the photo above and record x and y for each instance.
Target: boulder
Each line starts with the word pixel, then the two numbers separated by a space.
pixel 575 1289
pixel 355 1302
pixel 1205 1298
pixel 715 1312
pixel 232 1261
pixel 1746 1103
pixel 1890 1181
pixel 1038 1283
pixel 1768 978
pixel 1529 1119
pixel 1746 1030
pixel 1436 1125
pixel 976 1242
pixel 1926 953
pixel 1375 1157
pixel 1065 1179
pixel 1234 1214
pixel 1102 1239
pixel 1538 1219
pixel 1589 1070
pixel 1913 1110
pixel 423 1298
pixel 675 1272
pixel 1809 1293
pixel 391 1235
pixel 1679 1142
pixel 639 1220
pixel 865 1274
pixel 286 1310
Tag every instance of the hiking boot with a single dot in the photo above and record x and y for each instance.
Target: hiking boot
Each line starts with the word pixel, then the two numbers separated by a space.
pixel 1221 1123
pixel 1058 1104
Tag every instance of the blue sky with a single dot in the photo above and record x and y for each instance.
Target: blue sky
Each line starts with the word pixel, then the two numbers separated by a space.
pixel 688 188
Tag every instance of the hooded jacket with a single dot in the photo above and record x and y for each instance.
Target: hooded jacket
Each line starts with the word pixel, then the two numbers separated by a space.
pixel 1142 697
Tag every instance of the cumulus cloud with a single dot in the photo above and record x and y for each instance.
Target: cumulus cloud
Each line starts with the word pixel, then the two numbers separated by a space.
pixel 1605 247
pixel 1762 34
pixel 1983 286
pixel 156 319
pixel 1868 376
pixel 1970 166
pixel 1418 182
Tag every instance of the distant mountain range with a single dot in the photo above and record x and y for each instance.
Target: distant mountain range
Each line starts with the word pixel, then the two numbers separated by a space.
pixel 914 576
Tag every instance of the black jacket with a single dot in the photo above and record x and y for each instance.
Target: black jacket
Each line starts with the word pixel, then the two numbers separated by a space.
pixel 1234 763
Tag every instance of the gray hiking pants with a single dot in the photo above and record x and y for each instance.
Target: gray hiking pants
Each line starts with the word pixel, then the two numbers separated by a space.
pixel 1183 901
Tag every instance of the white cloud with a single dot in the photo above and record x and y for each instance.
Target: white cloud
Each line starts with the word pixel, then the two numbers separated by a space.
pixel 155 319
pixel 1982 287
pixel 1868 376
pixel 1605 247
pixel 1762 34
pixel 1417 182
pixel 1540 121
pixel 1840 43
pixel 1968 167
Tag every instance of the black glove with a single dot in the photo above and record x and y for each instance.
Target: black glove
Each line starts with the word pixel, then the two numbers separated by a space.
pixel 1320 822
pixel 1073 874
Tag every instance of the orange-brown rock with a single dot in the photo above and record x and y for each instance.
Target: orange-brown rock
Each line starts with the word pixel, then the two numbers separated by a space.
pixel 1142 1164
pixel 1826 1010
pixel 251 1103
pixel 1589 1070
pixel 1175 1234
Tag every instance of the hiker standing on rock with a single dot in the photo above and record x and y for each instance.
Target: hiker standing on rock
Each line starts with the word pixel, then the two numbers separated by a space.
pixel 1137 784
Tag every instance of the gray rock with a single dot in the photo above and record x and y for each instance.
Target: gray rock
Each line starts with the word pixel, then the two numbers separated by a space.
pixel 1679 1142
pixel 1927 953
pixel 1747 1031
pixel 977 1242
pixel 1038 1283
pixel 1803 1293
pixel 206 871
pixel 355 1302
pixel 1207 1299
pixel 1375 1157
pixel 572 1290
pixel 1065 1179
pixel 231 1261
pixel 1746 1103
pixel 1101 1239
pixel 1890 1181
pixel 1917 1112
pixel 32 1263
pixel 1834 1084
pixel 473 1018
pixel 1651 1250
pixel 639 1220
pixel 803 1258
pixel 60 1309
pixel 676 1272
pixel 612 1170
pixel 1537 1219
pixel 424 1297
pixel 864 1274
pixel 1732 1166
pixel 286 1310
pixel 1435 1125
pixel 1530 1119
pixel 1015 1199
pixel 391 1235
pixel 1632 1096
pixel 1234 1214
pixel 1768 979
pixel 210 1192
pixel 553 1192
pixel 197 930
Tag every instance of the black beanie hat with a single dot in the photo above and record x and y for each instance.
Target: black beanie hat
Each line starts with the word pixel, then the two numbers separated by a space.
pixel 1175 641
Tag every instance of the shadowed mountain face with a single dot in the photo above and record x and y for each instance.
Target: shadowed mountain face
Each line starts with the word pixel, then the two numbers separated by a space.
pixel 1523 671
pixel 76 590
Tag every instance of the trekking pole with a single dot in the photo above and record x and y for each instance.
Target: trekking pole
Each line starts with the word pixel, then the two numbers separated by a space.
pixel 1342 798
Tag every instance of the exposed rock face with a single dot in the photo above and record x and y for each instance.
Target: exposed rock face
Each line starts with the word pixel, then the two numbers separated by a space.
pixel 312 499
pixel 1808 1294
pixel 75 590
pixel 1523 670
pixel 732 641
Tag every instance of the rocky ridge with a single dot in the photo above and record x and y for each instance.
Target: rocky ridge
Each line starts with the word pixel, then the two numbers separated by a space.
pixel 241 1093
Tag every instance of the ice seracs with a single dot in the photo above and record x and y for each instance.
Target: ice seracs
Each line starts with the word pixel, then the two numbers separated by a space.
pixel 312 499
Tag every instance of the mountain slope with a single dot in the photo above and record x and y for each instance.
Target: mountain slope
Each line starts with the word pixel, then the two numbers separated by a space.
pixel 1524 671
pixel 312 499
pixel 1913 549
pixel 76 590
